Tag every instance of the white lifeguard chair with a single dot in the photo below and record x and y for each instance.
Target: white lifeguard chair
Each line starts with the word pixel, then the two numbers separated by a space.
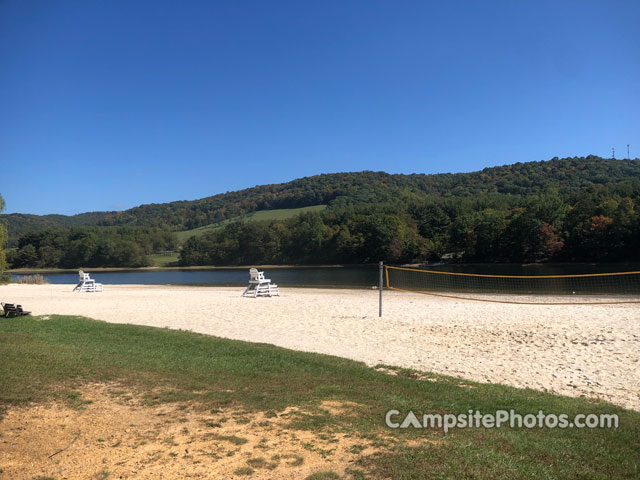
pixel 87 284
pixel 260 286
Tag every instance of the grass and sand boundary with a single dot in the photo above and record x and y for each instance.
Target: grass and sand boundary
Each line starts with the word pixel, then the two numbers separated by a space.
pixel 577 350
pixel 137 401
pixel 184 402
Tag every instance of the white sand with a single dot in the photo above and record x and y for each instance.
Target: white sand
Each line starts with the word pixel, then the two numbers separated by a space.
pixel 577 350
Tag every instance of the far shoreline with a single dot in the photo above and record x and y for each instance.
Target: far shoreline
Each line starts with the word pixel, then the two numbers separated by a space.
pixel 27 271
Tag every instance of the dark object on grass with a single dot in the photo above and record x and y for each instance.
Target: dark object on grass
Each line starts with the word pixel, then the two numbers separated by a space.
pixel 11 310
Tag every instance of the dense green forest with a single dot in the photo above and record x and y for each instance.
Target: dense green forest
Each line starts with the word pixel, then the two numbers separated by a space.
pixel 563 176
pixel 90 247
pixel 3 240
pixel 20 224
pixel 573 209
pixel 599 225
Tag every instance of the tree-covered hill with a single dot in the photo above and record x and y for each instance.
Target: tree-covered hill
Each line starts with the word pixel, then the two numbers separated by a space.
pixel 20 224
pixel 576 209
pixel 565 177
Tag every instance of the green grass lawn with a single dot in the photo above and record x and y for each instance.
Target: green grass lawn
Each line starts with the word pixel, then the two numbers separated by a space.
pixel 262 215
pixel 46 359
pixel 158 260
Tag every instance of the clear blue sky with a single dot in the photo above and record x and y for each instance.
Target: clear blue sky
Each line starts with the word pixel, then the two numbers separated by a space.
pixel 110 104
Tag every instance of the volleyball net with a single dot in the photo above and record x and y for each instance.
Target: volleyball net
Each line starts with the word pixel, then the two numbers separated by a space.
pixel 595 288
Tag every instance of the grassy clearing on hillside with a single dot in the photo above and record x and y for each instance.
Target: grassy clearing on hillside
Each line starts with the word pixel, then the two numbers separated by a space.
pixel 158 260
pixel 48 358
pixel 262 215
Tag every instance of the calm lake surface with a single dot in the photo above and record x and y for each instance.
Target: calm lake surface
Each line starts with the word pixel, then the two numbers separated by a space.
pixel 354 276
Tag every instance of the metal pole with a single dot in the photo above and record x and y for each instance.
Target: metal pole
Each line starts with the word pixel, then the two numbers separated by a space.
pixel 380 288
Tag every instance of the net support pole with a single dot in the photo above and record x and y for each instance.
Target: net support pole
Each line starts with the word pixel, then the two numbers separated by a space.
pixel 380 288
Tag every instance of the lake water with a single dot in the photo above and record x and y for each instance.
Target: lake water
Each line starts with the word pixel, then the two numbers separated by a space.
pixel 308 277
pixel 350 276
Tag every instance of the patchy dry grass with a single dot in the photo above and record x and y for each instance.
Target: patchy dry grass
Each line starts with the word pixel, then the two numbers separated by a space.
pixel 119 436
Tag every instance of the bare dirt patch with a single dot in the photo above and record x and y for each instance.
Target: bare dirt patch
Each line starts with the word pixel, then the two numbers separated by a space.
pixel 109 433
pixel 339 408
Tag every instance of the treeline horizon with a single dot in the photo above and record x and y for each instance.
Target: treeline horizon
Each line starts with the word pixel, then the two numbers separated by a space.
pixel 570 210
pixel 80 247
pixel 600 225
pixel 566 176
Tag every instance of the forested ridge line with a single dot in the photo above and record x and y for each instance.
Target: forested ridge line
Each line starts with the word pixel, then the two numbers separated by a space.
pixel 564 176
pixel 575 209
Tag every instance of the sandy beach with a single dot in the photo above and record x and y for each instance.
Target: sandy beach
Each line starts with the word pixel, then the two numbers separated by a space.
pixel 577 350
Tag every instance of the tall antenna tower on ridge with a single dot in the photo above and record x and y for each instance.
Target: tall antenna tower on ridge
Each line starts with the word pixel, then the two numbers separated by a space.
pixel 628 157
pixel 613 153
